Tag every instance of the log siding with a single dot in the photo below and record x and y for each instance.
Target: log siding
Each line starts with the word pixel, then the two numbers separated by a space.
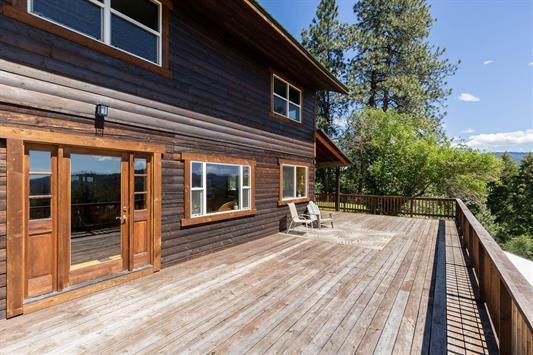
pixel 216 101
pixel 212 74
pixel 177 243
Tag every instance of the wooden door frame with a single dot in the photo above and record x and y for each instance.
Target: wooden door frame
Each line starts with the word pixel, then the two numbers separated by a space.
pixel 88 273
pixel 54 201
pixel 16 139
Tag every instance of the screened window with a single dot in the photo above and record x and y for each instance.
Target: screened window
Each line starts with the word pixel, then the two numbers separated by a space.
pixel 219 188
pixel 294 182
pixel 133 26
pixel 286 99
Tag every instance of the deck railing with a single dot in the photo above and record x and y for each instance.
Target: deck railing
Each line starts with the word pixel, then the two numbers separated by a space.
pixel 390 205
pixel 508 295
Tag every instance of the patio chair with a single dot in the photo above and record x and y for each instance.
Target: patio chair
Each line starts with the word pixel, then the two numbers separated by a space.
pixel 314 211
pixel 297 219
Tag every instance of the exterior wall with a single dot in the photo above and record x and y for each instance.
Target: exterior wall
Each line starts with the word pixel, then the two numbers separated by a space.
pixel 220 89
pixel 212 74
pixel 178 243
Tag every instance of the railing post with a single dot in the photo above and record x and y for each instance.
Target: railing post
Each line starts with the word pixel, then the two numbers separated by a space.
pixel 337 189
pixel 505 322
pixel 481 271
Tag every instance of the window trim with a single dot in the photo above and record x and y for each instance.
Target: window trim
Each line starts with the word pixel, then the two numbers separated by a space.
pixel 282 200
pixel 19 11
pixel 190 219
pixel 108 11
pixel 274 75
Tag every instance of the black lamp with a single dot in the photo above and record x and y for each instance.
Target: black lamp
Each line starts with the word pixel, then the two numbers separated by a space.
pixel 101 111
pixel 100 114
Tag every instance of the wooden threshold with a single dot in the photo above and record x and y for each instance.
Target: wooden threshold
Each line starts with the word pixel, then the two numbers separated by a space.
pixel 83 290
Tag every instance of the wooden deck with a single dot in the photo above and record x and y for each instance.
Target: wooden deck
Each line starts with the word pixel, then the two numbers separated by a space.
pixel 375 284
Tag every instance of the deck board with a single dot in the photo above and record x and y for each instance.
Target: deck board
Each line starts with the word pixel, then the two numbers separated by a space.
pixel 280 294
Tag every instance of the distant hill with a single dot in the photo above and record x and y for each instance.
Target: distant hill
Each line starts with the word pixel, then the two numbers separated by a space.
pixel 517 156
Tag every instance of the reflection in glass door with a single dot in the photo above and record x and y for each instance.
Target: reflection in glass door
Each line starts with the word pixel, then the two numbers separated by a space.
pixel 97 213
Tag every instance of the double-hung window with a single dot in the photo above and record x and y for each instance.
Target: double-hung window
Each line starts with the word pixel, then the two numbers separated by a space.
pixel 219 188
pixel 293 182
pixel 132 26
pixel 286 99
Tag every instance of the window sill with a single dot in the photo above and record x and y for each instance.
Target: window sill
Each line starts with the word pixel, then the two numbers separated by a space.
pixel 34 21
pixel 215 217
pixel 284 118
pixel 294 200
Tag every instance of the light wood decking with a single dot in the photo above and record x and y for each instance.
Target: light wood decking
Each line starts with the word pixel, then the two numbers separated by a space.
pixel 282 294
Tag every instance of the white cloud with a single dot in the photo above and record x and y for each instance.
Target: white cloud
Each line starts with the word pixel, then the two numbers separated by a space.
pixel 468 131
pixel 518 140
pixel 468 97
pixel 487 62
pixel 530 64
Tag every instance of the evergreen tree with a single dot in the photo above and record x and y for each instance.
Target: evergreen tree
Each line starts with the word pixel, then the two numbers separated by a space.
pixel 325 40
pixel 500 191
pixel 520 222
pixel 394 65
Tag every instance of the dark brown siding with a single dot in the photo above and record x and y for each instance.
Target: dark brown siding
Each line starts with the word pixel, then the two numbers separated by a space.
pixel 212 74
pixel 224 85
pixel 2 228
pixel 177 243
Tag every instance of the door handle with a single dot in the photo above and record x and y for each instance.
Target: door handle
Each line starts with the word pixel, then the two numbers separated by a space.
pixel 122 219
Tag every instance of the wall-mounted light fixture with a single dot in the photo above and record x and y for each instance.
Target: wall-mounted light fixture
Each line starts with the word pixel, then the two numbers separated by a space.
pixel 101 111
pixel 100 114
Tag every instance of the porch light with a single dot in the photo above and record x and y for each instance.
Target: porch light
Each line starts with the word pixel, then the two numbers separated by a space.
pixel 101 111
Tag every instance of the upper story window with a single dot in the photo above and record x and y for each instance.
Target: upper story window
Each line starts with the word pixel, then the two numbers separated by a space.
pixel 133 26
pixel 286 99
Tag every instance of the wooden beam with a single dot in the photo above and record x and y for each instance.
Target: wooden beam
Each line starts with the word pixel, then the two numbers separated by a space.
pixel 37 136
pixel 15 227
pixel 156 212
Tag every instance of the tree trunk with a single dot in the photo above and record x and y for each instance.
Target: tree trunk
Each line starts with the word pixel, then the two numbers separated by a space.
pixel 325 177
pixel 373 90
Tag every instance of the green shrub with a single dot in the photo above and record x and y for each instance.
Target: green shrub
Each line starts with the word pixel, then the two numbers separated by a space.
pixel 522 245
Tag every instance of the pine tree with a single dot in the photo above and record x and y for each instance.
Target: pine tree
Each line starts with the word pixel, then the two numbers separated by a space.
pixel 394 65
pixel 324 39
pixel 500 191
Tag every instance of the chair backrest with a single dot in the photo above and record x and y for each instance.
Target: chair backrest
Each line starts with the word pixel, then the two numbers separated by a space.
pixel 293 210
pixel 313 208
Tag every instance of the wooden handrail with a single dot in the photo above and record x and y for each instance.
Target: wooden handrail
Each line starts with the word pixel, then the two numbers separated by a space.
pixel 508 295
pixel 506 292
pixel 432 207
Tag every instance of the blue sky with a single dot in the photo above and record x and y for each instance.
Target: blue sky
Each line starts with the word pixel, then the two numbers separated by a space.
pixel 491 107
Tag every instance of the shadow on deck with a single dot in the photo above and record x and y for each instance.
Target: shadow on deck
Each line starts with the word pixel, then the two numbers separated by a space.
pixel 374 284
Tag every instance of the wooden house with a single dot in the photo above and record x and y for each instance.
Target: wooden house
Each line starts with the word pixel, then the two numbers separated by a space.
pixel 137 134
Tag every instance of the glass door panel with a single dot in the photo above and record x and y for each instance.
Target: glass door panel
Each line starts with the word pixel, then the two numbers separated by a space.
pixel 96 209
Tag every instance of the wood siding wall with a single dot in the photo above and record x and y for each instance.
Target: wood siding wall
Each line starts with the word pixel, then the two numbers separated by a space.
pixel 3 279
pixel 225 85
pixel 178 243
pixel 212 73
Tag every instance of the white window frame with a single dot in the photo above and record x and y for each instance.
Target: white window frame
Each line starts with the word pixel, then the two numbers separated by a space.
pixel 204 188
pixel 287 98
pixel 106 26
pixel 283 198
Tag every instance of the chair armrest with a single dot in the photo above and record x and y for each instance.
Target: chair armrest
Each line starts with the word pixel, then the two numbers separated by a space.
pixel 331 215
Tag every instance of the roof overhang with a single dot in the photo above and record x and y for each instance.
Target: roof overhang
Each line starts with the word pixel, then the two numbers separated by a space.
pixel 327 154
pixel 252 26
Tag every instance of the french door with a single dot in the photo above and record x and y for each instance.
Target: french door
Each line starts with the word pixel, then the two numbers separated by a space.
pixel 88 216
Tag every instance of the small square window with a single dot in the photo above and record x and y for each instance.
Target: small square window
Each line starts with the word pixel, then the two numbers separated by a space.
pixel 286 99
